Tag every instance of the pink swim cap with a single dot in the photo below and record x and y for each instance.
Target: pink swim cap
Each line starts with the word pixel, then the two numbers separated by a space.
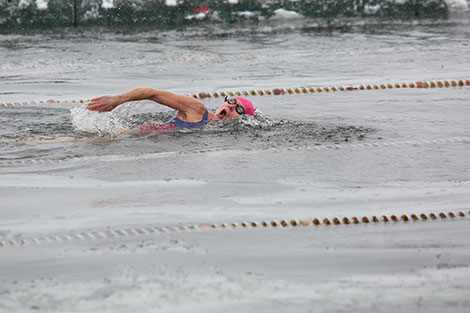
pixel 249 109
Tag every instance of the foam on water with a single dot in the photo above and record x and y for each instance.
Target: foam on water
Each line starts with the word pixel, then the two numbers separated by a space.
pixel 101 124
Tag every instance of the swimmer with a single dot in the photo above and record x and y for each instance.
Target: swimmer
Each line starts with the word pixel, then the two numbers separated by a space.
pixel 191 112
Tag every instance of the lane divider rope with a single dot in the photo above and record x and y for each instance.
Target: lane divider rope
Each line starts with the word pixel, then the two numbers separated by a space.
pixel 316 222
pixel 43 64
pixel 156 155
pixel 33 102
pixel 313 90
pixel 288 91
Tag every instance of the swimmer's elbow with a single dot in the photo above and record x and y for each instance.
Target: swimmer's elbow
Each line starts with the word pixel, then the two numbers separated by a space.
pixel 159 96
pixel 177 102
pixel 151 93
pixel 155 94
pixel 139 93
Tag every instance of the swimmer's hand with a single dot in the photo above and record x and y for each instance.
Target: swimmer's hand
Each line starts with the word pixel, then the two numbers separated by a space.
pixel 104 103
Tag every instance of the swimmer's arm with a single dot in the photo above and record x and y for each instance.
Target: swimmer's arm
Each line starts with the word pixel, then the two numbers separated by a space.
pixel 183 104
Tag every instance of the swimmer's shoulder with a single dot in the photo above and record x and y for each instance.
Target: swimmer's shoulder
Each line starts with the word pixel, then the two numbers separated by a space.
pixel 194 110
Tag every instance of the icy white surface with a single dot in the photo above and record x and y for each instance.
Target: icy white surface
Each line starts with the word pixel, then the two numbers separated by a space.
pixel 42 4
pixel 457 5
pixel 93 13
pixel 107 4
pixel 23 4
pixel 171 2
pixel 281 14
pixel 419 268
pixel 48 181
pixel 247 13
pixel 199 16
pixel 371 9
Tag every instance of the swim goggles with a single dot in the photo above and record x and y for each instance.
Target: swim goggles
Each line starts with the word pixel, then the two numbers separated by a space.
pixel 239 108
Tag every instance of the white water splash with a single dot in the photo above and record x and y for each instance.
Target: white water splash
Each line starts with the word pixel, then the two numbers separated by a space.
pixel 103 124
pixel 257 121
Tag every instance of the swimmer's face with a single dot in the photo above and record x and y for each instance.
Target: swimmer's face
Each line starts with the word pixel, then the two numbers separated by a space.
pixel 227 110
